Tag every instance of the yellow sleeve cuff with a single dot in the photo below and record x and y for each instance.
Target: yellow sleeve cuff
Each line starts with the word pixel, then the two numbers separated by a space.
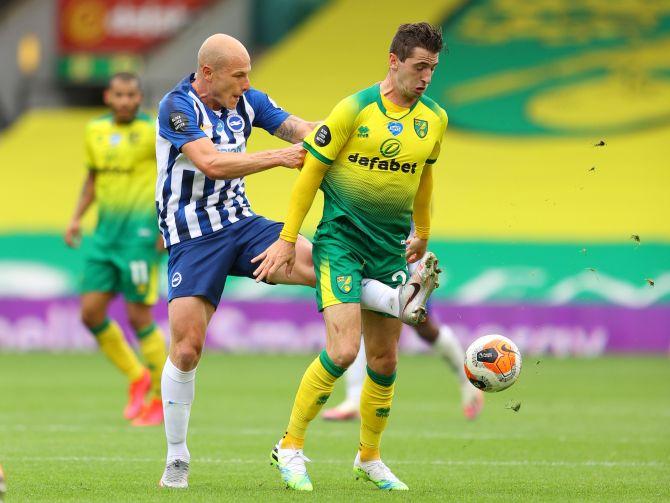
pixel 287 236
pixel 422 232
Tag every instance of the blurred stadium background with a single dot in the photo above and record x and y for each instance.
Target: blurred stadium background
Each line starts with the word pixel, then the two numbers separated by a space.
pixel 546 235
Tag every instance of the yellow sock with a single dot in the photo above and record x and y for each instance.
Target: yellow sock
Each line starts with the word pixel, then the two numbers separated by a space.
pixel 152 347
pixel 314 390
pixel 376 398
pixel 112 342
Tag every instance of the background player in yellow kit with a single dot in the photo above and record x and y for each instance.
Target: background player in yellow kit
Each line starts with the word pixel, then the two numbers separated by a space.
pixel 372 158
pixel 124 251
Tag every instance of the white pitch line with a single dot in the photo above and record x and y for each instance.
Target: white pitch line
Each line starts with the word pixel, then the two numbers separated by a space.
pixel 439 462
pixel 74 428
pixel 220 432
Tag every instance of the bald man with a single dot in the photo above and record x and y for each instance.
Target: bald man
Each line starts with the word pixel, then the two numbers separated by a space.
pixel 207 223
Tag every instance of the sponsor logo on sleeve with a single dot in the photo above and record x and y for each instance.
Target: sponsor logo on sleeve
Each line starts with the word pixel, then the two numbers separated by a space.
pixel 322 136
pixel 178 121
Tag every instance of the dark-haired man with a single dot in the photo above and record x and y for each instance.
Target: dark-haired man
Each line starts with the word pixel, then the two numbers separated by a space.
pixel 124 251
pixel 373 159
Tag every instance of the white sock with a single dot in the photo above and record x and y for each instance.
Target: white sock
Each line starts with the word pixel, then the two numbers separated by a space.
pixel 178 389
pixel 447 346
pixel 354 377
pixel 376 296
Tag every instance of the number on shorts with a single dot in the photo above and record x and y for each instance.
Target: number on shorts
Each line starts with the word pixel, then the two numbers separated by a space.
pixel 398 275
pixel 139 272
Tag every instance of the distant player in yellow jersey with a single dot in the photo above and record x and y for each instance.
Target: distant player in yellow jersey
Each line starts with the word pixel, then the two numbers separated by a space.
pixel 373 159
pixel 124 251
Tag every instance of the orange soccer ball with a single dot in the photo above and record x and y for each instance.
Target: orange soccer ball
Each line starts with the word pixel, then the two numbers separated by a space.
pixel 492 363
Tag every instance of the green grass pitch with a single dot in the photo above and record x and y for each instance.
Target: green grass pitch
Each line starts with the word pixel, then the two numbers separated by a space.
pixel 588 429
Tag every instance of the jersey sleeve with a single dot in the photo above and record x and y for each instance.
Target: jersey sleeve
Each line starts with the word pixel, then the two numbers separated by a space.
pixel 267 114
pixel 326 141
pixel 438 144
pixel 178 122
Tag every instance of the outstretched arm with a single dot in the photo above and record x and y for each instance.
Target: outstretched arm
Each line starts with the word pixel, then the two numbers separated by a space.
pixel 294 129
pixel 227 165
pixel 421 215
pixel 283 250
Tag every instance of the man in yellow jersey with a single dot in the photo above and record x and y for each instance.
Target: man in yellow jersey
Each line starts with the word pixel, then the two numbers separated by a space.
pixel 373 159
pixel 124 252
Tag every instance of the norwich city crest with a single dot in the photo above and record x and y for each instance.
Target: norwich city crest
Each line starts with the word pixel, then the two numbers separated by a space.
pixel 344 283
pixel 421 127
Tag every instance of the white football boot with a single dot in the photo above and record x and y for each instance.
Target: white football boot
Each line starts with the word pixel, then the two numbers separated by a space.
pixel 379 474
pixel 415 293
pixel 175 475
pixel 291 466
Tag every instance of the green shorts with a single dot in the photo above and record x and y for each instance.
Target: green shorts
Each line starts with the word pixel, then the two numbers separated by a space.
pixel 343 256
pixel 131 271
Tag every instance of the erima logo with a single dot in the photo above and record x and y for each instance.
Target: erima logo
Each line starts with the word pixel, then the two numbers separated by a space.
pixel 235 122
pixel 383 165
pixel 383 412
pixel 176 280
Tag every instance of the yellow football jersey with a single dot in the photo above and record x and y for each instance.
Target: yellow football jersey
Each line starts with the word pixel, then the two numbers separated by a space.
pixel 123 157
pixel 376 152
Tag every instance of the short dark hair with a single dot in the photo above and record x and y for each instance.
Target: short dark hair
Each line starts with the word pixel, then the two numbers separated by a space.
pixel 125 77
pixel 413 35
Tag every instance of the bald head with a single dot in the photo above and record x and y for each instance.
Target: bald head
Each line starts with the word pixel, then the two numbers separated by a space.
pixel 220 50
pixel 223 71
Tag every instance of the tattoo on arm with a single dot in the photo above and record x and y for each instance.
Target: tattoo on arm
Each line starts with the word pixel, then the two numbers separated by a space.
pixel 294 129
pixel 287 129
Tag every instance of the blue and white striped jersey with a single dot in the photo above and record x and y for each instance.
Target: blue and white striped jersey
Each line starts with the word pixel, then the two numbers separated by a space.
pixel 190 204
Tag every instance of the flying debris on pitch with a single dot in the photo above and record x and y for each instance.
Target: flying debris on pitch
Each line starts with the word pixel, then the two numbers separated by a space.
pixel 601 143
pixel 593 168
pixel 515 405
pixel 635 237
pixel 650 282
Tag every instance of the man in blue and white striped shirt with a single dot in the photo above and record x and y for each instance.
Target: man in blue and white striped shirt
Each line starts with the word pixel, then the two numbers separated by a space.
pixel 207 223
pixel 192 198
